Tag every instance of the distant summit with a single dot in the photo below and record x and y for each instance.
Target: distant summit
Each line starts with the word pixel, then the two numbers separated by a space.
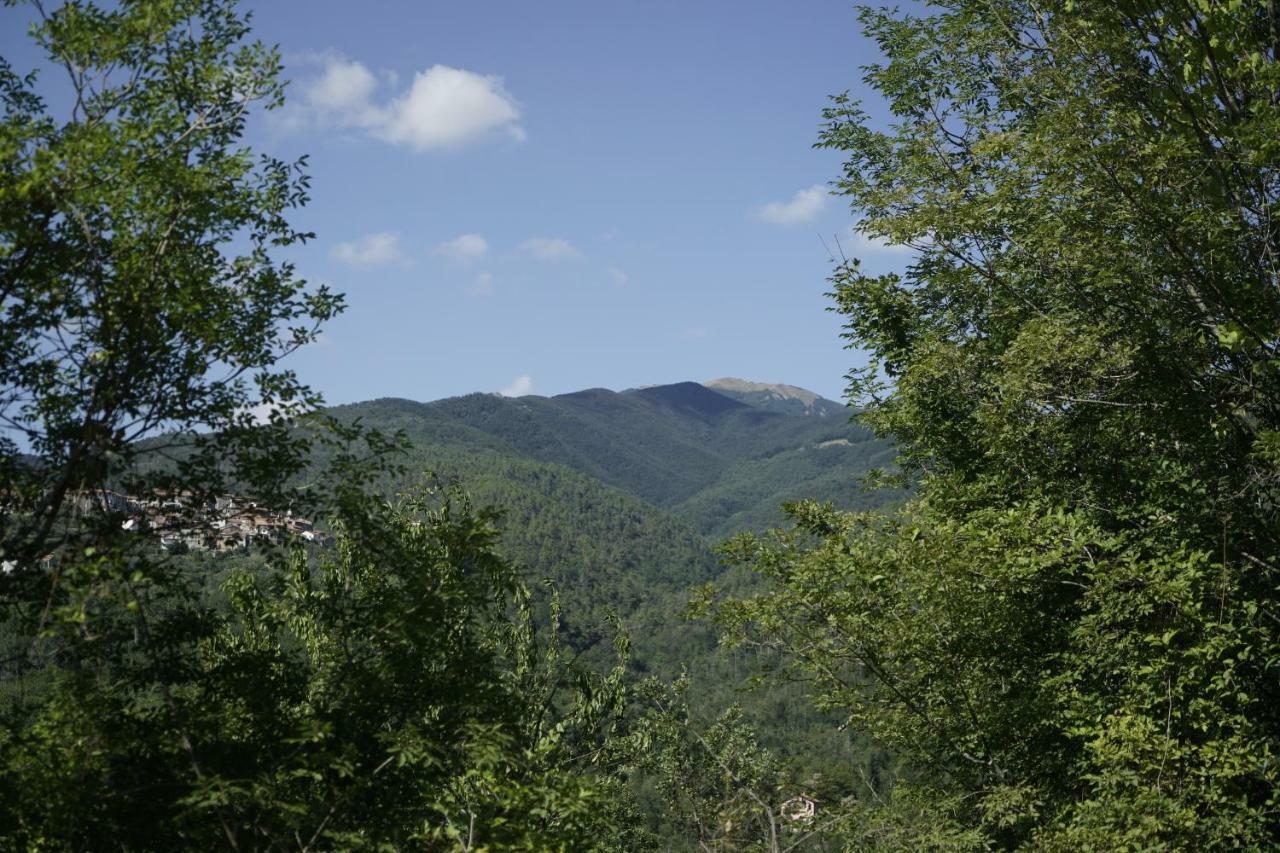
pixel 775 397
pixel 690 398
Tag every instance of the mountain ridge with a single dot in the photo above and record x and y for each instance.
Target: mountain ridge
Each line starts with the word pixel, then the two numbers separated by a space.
pixel 723 459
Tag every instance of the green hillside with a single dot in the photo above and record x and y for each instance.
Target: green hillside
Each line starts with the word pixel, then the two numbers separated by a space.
pixel 619 497
pixel 722 464
pixel 748 496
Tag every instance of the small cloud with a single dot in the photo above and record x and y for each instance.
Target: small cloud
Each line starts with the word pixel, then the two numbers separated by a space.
pixel 463 249
pixel 617 276
pixel 519 387
pixel 694 333
pixel 343 93
pixel 443 108
pixel 550 248
pixel 262 413
pixel 803 207
pixel 482 286
pixel 372 250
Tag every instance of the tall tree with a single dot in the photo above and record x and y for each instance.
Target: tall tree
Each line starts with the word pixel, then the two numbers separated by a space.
pixel 1072 631
pixel 141 287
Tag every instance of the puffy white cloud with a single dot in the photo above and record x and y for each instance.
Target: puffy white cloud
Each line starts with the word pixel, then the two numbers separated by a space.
pixel 371 250
pixel 550 248
pixel 519 387
pixel 617 276
pixel 803 207
pixel 464 248
pixel 446 107
pixel 262 412
pixel 343 93
pixel 443 108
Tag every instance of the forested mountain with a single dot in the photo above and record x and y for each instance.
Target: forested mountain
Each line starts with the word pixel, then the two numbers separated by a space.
pixel 618 498
pixel 722 462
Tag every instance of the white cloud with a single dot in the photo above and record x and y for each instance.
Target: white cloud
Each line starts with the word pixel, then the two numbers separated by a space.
pixel 464 248
pixel 262 412
pixel 446 107
pixel 519 387
pixel 694 333
pixel 371 250
pixel 803 207
pixel 482 286
pixel 343 93
pixel 550 248
pixel 617 276
pixel 443 108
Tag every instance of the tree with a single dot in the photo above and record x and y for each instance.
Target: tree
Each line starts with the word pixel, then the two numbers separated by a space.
pixel 1071 631
pixel 140 284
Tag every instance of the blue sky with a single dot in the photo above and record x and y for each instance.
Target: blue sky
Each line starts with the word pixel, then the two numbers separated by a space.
pixel 558 195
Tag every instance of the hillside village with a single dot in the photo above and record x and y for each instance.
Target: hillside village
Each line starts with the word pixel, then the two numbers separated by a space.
pixel 180 521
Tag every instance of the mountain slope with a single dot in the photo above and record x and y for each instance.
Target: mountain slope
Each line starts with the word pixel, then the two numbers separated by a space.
pixel 551 510
pixel 619 496
pixel 684 447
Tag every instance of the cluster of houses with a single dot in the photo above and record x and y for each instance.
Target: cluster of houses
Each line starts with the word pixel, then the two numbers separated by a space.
pixel 225 523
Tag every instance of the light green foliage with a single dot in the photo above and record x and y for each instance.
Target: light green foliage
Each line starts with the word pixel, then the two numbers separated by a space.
pixel 370 695
pixel 719 789
pixel 1024 656
pixel 1071 633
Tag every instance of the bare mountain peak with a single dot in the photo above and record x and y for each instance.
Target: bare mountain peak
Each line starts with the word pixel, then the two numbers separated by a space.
pixel 742 389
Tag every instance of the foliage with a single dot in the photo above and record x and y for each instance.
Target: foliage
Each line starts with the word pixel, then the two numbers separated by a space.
pixel 138 272
pixel 719 788
pixel 608 551
pixel 373 694
pixel 1071 632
